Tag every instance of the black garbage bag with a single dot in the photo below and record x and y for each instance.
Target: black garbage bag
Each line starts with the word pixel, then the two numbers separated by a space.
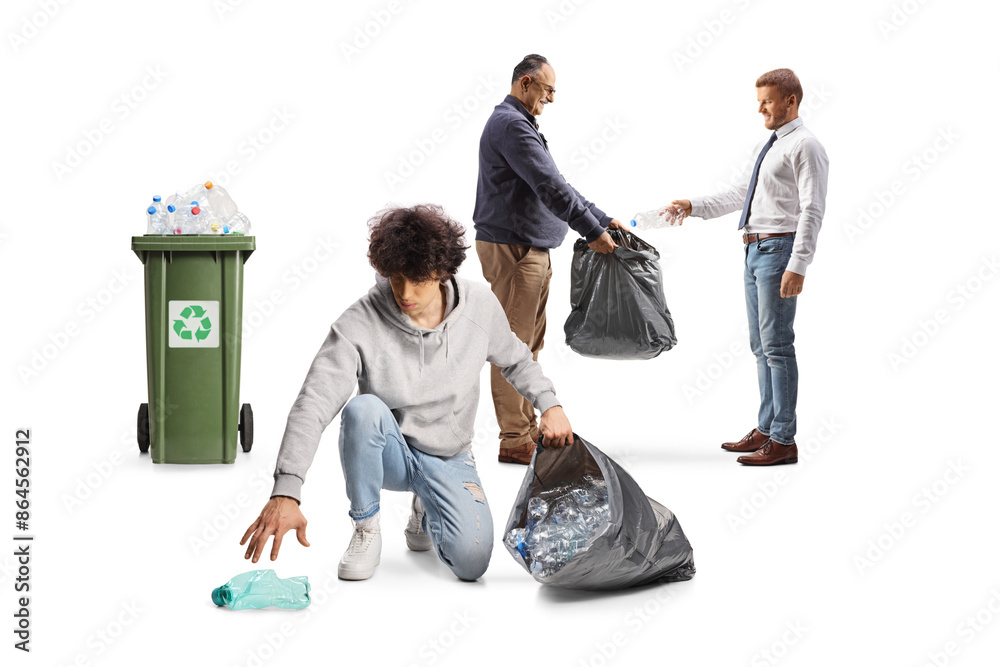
pixel 635 541
pixel 619 311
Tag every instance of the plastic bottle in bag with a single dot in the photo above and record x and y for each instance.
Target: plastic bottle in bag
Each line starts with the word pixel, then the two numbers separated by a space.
pixel 654 219
pixel 262 588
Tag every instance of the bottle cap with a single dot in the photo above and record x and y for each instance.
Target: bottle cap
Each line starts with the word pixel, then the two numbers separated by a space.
pixel 208 185
pixel 195 210
pixel 194 203
pixel 632 223
pixel 171 208
pixel 156 198
pixel 221 595
pixel 151 210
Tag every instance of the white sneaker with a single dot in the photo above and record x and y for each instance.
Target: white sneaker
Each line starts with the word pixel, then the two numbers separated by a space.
pixel 416 538
pixel 364 552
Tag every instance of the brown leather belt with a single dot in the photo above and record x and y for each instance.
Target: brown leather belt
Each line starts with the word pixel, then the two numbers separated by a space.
pixel 753 238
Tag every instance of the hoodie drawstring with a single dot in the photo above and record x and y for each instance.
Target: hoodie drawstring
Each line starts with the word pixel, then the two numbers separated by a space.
pixel 420 368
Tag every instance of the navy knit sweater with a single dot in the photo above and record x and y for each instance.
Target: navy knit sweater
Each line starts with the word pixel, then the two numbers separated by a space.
pixel 521 197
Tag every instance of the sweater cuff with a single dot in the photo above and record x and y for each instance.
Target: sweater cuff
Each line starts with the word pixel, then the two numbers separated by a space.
pixel 546 400
pixel 287 485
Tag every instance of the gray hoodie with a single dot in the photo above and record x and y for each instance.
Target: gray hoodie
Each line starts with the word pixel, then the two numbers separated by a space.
pixel 429 378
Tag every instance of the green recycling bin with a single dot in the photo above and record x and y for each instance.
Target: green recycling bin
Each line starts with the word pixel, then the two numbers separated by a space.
pixel 194 317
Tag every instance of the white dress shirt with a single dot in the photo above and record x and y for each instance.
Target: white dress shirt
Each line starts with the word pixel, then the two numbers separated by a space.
pixel 790 194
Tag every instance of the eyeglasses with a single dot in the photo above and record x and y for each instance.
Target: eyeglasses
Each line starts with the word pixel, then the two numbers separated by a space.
pixel 549 90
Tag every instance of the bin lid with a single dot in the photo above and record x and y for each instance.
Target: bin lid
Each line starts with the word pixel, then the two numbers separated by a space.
pixel 192 243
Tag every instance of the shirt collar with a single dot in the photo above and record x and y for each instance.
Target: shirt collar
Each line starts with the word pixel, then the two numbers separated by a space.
pixel 516 103
pixel 789 127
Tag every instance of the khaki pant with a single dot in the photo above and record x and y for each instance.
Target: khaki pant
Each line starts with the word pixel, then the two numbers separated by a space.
pixel 519 276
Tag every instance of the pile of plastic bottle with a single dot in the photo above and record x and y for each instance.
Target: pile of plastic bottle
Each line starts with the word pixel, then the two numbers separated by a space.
pixel 560 521
pixel 204 209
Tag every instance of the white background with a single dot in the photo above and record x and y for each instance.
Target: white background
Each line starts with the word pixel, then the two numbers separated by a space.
pixel 126 553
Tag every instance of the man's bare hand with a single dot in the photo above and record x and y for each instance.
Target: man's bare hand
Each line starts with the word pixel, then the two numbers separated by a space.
pixel 791 284
pixel 555 428
pixel 603 244
pixel 280 515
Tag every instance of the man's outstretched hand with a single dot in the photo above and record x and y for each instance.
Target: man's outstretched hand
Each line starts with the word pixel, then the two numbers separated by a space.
pixel 280 515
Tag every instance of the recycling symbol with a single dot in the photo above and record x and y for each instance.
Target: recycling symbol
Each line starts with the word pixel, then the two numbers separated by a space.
pixel 193 324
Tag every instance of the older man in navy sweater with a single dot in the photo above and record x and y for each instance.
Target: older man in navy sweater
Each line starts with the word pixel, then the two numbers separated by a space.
pixel 524 207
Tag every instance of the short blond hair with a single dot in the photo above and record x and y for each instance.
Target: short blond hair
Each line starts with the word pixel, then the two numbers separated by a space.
pixel 785 80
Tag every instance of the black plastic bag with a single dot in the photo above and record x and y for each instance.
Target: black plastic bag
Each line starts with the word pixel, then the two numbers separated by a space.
pixel 619 311
pixel 640 542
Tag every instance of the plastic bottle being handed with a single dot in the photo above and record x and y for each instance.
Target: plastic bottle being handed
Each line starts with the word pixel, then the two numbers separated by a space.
pixel 262 588
pixel 654 219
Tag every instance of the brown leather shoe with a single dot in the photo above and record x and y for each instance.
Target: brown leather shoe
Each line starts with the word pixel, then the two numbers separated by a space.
pixel 520 454
pixel 771 454
pixel 751 442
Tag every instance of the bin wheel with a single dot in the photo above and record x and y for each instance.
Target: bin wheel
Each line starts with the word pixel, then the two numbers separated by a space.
pixel 246 427
pixel 142 428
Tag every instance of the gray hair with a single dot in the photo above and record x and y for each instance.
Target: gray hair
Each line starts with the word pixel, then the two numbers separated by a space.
pixel 530 64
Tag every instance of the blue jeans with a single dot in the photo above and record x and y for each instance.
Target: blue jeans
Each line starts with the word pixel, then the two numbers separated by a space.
pixel 771 336
pixel 375 456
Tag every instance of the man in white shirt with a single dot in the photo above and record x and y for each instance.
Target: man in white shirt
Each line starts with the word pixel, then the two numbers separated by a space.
pixel 782 198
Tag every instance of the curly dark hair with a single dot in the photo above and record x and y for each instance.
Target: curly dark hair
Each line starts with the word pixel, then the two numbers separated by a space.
pixel 419 243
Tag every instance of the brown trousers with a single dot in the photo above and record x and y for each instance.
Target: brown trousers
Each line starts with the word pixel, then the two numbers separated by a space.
pixel 519 276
